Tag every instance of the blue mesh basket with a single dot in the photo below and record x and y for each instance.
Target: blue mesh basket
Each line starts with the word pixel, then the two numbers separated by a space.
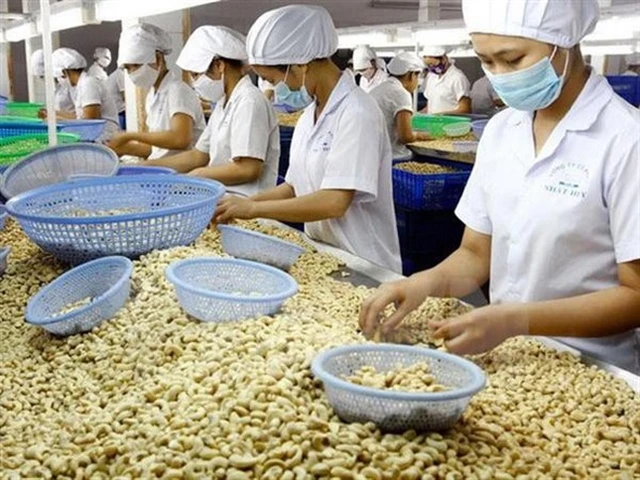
pixel 128 216
pixel 225 290
pixel 395 411
pixel 142 170
pixel 258 247
pixel 58 164
pixel 106 282
pixel 87 130
pixel 11 129
pixel 3 217
pixel 4 259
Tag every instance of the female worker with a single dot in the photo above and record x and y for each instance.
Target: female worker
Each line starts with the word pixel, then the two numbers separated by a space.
pixel 371 68
pixel 339 180
pixel 394 97
pixel 89 95
pixel 553 204
pixel 63 101
pixel 174 114
pixel 241 145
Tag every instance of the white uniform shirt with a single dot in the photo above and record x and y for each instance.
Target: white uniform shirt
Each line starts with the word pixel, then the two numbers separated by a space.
pixel 245 127
pixel 348 148
pixel 98 72
pixel 90 91
pixel 116 87
pixel 562 221
pixel 483 97
pixel 379 77
pixel 172 97
pixel 444 92
pixel 63 100
pixel 393 98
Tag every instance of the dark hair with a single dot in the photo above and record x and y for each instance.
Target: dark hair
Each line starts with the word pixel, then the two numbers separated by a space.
pixel 283 68
pixel 400 77
pixel 232 62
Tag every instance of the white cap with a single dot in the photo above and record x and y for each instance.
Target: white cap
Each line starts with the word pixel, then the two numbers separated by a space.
pixel 362 57
pixel 433 51
pixel 102 52
pixel 633 59
pixel 139 44
pixel 207 43
pixel 67 59
pixel 37 63
pixel 405 62
pixel 292 35
pixel 558 22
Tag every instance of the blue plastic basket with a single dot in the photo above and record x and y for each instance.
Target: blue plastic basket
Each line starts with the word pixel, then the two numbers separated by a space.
pixel 3 104
pixel 3 217
pixel 87 130
pixel 390 410
pixel 628 87
pixel 58 164
pixel 280 107
pixel 439 191
pixel 142 170
pixel 478 127
pixel 225 290
pixel 11 129
pixel 4 259
pixel 168 211
pixel 106 281
pixel 258 247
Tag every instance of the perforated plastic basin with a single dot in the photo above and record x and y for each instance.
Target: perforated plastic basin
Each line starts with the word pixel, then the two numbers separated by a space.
pixel 223 290
pixel 258 247
pixel 395 411
pixel 4 259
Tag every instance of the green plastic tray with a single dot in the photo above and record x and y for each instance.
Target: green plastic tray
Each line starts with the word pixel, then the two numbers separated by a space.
pixel 23 109
pixel 15 148
pixel 434 124
pixel 13 119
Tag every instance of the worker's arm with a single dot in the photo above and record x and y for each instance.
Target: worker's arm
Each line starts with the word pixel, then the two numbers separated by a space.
pixel 91 112
pixel 134 149
pixel 183 162
pixel 281 192
pixel 320 205
pixel 464 106
pixel 405 131
pixel 178 137
pixel 598 314
pixel 241 170
pixel 461 274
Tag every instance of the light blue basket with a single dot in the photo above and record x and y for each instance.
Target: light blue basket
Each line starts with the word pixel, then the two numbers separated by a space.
pixel 258 247
pixel 4 259
pixel 12 129
pixel 87 130
pixel 390 410
pixel 58 164
pixel 86 219
pixel 225 290
pixel 106 281
pixel 142 170
pixel 3 217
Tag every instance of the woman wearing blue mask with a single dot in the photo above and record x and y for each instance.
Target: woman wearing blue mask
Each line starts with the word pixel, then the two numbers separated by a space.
pixel 552 208
pixel 339 179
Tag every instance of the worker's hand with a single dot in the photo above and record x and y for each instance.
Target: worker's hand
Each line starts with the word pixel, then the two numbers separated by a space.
pixel 119 140
pixel 407 295
pixel 42 113
pixel 234 208
pixel 482 329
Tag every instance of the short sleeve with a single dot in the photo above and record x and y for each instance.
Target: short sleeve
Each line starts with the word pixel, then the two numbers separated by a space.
pixel 204 142
pixel 120 80
pixel 472 209
pixel 184 100
pixel 461 87
pixel 250 129
pixel 622 197
pixel 402 101
pixel 89 92
pixel 355 156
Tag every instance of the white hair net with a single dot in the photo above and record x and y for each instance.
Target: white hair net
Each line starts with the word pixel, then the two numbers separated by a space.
pixel 405 62
pixel 433 51
pixel 37 63
pixel 633 59
pixel 139 44
pixel 558 22
pixel 102 52
pixel 207 43
pixel 362 57
pixel 292 35
pixel 67 59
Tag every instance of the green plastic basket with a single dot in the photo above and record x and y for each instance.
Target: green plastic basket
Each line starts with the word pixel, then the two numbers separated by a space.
pixel 23 109
pixel 13 119
pixel 15 148
pixel 434 124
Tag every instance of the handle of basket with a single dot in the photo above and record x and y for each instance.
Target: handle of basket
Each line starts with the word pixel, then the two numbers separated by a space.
pixel 84 176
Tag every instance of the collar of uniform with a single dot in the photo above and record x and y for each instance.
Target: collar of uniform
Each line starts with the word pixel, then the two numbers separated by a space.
pixel 170 77
pixel 344 87
pixel 241 85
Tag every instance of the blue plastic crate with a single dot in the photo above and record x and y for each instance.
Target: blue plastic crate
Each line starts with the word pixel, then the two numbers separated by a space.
pixel 441 191
pixel 12 129
pixel 87 130
pixel 628 87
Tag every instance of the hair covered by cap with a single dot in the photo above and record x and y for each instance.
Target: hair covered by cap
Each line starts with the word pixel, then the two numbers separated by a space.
pixel 292 35
pixel 102 52
pixel 37 63
pixel 67 59
pixel 209 42
pixel 405 62
pixel 433 51
pixel 558 22
pixel 139 44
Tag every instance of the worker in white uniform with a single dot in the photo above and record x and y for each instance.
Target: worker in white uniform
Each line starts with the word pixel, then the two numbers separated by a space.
pixel 241 145
pixel 552 207
pixel 101 60
pixel 267 89
pixel 174 115
pixel 395 98
pixel 63 101
pixel 484 99
pixel 339 179
pixel 446 87
pixel 633 65
pixel 90 97
pixel 372 70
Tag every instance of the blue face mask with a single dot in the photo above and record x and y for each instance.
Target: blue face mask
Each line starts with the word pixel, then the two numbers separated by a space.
pixel 297 99
pixel 531 89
